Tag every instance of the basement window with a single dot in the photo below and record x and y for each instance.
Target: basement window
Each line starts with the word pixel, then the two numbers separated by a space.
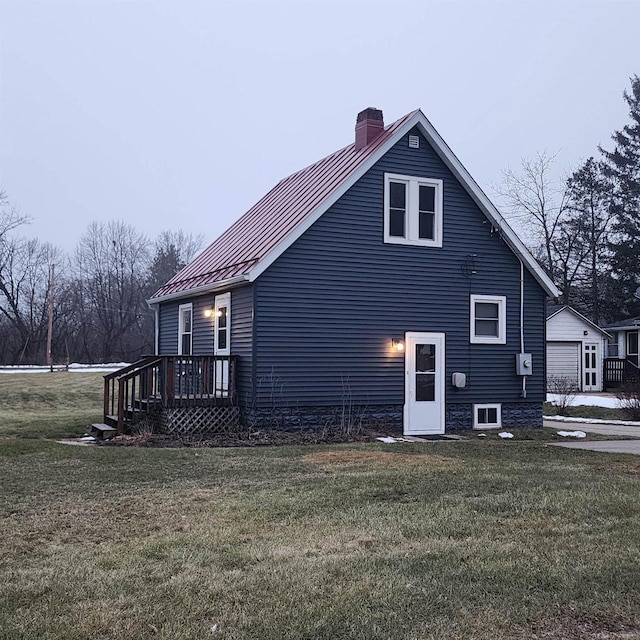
pixel 412 210
pixel 487 416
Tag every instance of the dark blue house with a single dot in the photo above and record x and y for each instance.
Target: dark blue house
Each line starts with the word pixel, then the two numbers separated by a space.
pixel 379 281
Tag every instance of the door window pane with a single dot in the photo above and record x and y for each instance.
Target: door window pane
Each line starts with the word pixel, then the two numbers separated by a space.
pixel 186 344
pixel 186 320
pixel 425 387
pixel 222 317
pixel 425 357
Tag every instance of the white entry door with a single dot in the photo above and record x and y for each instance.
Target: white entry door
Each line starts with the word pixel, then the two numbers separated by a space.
pixel 591 367
pixel 424 384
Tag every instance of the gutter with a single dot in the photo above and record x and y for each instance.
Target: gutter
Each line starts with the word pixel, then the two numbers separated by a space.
pixel 201 290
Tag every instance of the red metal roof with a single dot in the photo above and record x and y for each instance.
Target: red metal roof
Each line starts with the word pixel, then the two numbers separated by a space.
pixel 273 218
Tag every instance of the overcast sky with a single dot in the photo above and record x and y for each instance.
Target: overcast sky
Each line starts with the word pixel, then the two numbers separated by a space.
pixel 182 114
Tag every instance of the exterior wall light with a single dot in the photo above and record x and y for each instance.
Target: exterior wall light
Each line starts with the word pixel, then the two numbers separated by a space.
pixel 208 313
pixel 397 345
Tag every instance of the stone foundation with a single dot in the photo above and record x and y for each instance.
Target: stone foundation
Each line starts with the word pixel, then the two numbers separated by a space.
pixel 383 417
pixel 459 416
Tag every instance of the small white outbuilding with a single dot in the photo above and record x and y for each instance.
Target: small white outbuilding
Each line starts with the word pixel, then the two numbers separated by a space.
pixel 575 348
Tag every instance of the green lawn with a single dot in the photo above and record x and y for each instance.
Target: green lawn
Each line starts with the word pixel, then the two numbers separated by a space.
pixel 476 539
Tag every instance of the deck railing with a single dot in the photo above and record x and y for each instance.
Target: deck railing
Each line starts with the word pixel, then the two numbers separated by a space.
pixel 156 382
pixel 617 371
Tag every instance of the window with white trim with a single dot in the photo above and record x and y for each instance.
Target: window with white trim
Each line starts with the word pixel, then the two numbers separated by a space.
pixel 488 319
pixel 185 329
pixel 487 416
pixel 222 327
pixel 632 347
pixel 412 210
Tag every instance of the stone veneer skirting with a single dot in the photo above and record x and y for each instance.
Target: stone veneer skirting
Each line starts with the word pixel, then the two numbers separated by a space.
pixel 458 416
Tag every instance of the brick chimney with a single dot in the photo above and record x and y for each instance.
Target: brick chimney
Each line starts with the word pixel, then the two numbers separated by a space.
pixel 369 125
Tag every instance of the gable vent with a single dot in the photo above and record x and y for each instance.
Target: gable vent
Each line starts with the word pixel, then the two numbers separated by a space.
pixel 414 142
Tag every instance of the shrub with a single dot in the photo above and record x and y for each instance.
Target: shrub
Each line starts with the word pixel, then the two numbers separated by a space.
pixel 629 400
pixel 565 390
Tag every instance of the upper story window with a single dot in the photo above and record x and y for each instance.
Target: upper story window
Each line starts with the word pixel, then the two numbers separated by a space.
pixel 412 210
pixel 488 319
pixel 185 329
pixel 222 328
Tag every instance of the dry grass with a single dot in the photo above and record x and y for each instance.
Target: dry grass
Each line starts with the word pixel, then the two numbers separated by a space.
pixel 379 459
pixel 483 539
pixel 49 405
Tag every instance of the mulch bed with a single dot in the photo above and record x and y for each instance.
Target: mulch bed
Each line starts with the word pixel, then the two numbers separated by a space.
pixel 261 438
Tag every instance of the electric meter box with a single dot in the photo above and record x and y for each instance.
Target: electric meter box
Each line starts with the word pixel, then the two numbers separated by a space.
pixel 523 364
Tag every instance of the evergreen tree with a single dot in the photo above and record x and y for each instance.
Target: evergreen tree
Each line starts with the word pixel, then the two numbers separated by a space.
pixel 622 166
pixel 589 203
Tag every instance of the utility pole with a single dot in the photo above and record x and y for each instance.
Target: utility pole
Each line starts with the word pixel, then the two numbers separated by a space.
pixel 50 326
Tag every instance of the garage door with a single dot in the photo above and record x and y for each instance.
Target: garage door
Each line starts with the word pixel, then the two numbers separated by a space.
pixel 563 360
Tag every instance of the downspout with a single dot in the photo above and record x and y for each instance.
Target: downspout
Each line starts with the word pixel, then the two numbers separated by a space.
pixel 156 312
pixel 524 378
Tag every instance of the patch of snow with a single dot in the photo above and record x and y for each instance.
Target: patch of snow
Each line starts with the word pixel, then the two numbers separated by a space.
pixel 390 440
pixel 505 434
pixel 611 402
pixel 572 434
pixel 482 435
pixel 74 367
pixel 627 423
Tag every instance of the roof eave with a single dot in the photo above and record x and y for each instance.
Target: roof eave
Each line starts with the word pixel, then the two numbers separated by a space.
pixel 201 290
pixel 455 166
pixel 485 205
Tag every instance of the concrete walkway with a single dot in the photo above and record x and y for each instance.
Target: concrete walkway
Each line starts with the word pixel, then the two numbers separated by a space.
pixel 603 429
pixel 610 446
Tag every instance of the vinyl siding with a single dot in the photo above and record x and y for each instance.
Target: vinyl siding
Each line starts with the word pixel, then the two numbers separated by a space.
pixel 565 325
pixel 241 329
pixel 327 309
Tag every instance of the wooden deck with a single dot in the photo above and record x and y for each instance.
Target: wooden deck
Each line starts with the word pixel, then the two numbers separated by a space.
pixel 155 383
pixel 617 371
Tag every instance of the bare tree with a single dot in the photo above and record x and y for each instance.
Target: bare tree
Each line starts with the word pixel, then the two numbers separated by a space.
pixel 24 288
pixel 535 202
pixel 111 263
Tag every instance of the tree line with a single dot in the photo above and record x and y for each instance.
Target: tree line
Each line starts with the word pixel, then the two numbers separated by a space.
pixel 99 290
pixel 585 229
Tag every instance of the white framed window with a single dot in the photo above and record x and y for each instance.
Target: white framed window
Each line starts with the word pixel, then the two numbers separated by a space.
pixel 487 416
pixel 222 326
pixel 488 319
pixel 632 347
pixel 412 210
pixel 185 329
